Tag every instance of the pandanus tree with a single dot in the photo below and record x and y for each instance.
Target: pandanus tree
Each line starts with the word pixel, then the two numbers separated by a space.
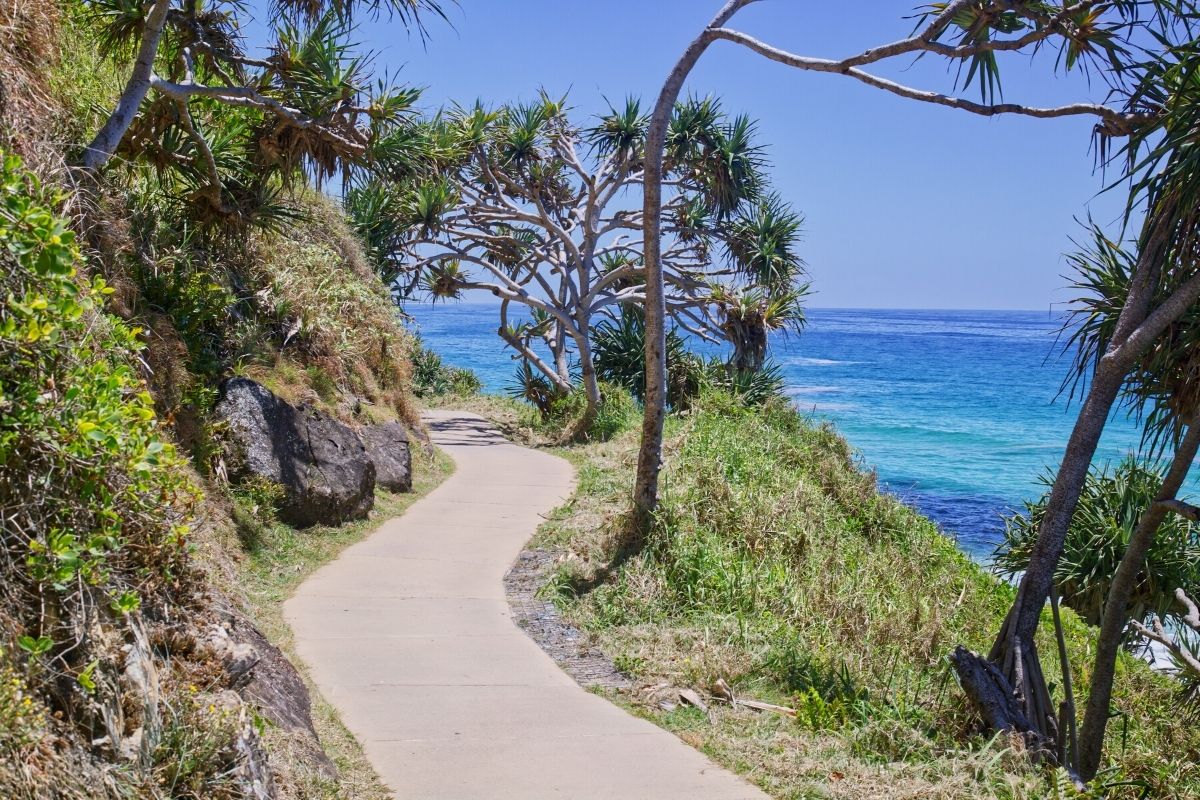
pixel 228 127
pixel 1163 389
pixel 1143 50
pixel 536 210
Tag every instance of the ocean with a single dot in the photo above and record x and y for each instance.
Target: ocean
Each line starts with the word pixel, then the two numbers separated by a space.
pixel 958 412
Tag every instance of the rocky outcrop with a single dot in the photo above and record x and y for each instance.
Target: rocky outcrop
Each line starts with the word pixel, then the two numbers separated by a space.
pixel 263 676
pixel 388 448
pixel 321 464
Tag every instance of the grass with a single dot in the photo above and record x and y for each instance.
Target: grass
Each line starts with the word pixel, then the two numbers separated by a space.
pixel 278 559
pixel 778 567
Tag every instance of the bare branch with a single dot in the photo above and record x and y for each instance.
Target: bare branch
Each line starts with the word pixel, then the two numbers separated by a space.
pixel 1112 122
pixel 1158 634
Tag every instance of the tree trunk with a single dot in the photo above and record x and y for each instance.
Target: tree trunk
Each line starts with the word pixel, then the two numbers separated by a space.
pixel 1014 650
pixel 109 138
pixel 561 363
pixel 749 345
pixel 591 386
pixel 1116 616
pixel 645 493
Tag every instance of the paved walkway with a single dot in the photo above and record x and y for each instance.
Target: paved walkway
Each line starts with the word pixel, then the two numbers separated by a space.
pixel 409 635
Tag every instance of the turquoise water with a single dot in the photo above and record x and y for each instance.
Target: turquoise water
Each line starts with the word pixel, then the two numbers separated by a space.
pixel 957 411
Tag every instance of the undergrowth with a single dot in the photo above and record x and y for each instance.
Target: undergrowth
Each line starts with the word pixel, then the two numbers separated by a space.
pixel 97 574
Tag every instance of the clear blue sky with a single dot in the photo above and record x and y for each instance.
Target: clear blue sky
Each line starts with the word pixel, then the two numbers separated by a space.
pixel 908 205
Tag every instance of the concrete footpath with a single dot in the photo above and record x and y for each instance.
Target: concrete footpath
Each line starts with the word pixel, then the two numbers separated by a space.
pixel 409 635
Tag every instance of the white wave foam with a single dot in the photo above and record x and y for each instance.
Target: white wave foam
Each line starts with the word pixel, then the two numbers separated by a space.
pixel 803 361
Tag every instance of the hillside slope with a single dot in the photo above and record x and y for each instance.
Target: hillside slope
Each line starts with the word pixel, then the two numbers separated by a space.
pixel 137 577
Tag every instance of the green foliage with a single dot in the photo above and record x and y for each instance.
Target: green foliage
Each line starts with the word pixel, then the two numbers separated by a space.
pixel 196 757
pixel 224 153
pixel 752 387
pixel 535 389
pixel 22 717
pixel 619 349
pixel 177 283
pixel 1109 508
pixel 438 231
pixel 1161 388
pixel 556 413
pixel 433 377
pixel 95 505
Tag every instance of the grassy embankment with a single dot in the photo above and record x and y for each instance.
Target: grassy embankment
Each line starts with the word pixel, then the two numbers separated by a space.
pixel 779 568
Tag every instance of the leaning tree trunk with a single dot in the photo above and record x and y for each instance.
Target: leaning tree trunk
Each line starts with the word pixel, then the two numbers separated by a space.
pixel 1014 651
pixel 1116 607
pixel 109 138
pixel 645 493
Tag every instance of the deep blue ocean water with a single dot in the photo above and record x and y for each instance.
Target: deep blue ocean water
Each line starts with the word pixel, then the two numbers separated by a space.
pixel 958 411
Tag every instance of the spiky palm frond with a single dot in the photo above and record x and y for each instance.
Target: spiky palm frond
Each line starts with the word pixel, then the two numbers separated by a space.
pixel 621 132
pixel 718 158
pixel 619 348
pixel 693 129
pixel 410 13
pixel 761 241
pixel 1086 36
pixel 534 388
pixel 731 169
pixel 510 245
pixel 445 281
pixel 425 204
pixel 523 134
pixel 376 216
pixel 752 387
pixel 119 25
pixel 1164 386
pixel 749 315
pixel 1109 509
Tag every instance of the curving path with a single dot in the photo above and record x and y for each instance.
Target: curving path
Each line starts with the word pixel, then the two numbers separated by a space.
pixel 409 635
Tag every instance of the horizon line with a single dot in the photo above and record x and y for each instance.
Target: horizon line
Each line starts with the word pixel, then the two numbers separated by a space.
pixel 1049 310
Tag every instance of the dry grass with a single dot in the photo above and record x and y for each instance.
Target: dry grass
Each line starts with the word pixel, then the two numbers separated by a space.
pixel 28 42
pixel 333 316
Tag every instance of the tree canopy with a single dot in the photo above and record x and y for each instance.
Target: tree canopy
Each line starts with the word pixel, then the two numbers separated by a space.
pixel 538 211
pixel 224 128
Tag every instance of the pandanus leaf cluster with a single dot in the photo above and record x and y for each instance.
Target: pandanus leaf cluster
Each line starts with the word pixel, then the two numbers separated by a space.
pixel 225 128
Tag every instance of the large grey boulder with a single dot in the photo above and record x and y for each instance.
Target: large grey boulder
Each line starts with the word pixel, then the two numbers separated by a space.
pixel 320 463
pixel 388 448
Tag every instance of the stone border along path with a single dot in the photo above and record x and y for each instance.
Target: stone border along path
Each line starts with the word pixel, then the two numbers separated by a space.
pixel 408 634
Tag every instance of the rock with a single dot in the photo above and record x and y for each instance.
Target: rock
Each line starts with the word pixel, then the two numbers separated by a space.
pixel 265 678
pixel 320 463
pixel 388 448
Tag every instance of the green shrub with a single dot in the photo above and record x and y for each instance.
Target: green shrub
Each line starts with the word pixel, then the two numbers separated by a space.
pixel 1109 508
pixel 434 378
pixel 196 757
pixel 752 387
pixel 556 414
pixel 619 348
pixel 94 502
